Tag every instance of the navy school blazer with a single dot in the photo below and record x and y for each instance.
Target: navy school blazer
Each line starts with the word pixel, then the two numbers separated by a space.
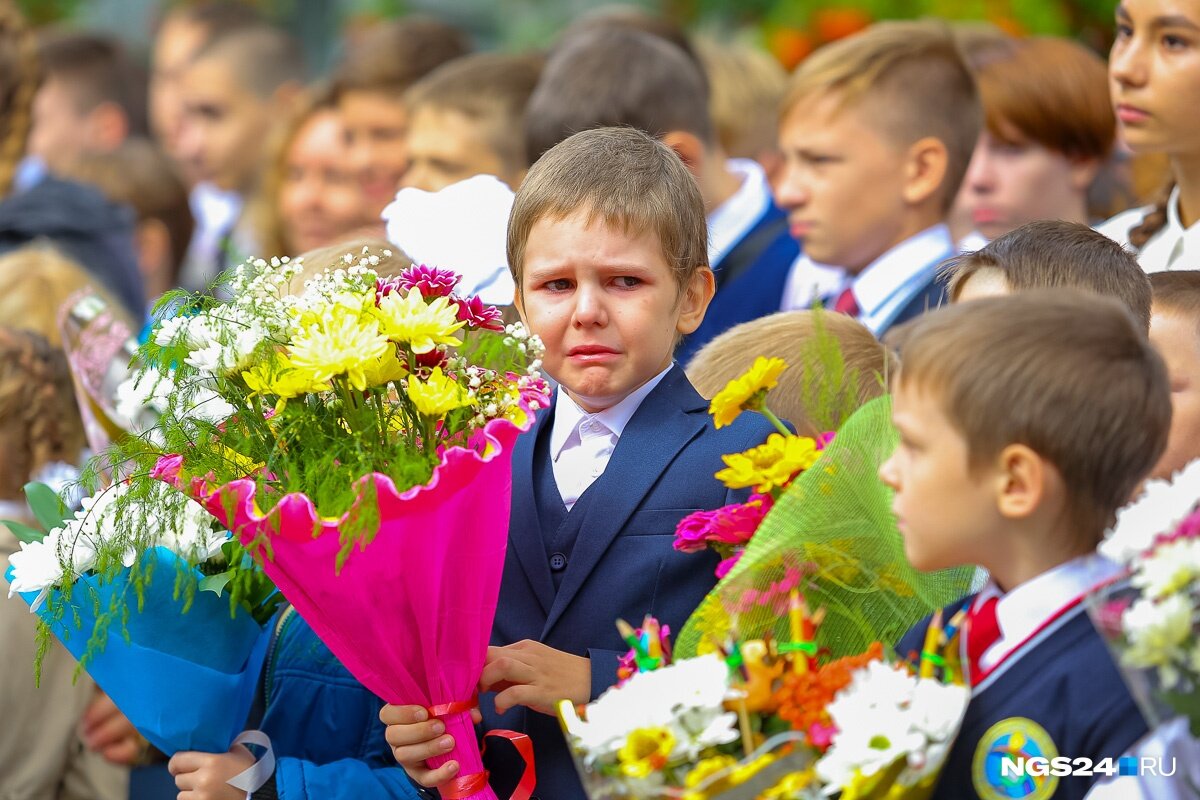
pixel 622 564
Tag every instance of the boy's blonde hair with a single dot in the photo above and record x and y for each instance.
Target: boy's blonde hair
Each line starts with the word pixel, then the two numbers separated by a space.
pixel 1068 374
pixel 38 280
pixel 787 335
pixel 491 90
pixel 623 178
pixel 1049 254
pixel 914 81
pixel 1177 292
pixel 746 87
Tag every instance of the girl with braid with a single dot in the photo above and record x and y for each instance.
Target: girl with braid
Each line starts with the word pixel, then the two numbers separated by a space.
pixel 1154 79
pixel 41 750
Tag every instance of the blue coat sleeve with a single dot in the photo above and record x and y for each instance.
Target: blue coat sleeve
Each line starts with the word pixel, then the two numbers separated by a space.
pixel 348 779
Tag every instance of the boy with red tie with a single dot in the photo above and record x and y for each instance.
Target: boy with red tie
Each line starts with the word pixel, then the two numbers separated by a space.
pixel 1025 423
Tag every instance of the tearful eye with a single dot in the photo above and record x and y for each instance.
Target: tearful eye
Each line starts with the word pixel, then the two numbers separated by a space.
pixel 628 282
pixel 560 285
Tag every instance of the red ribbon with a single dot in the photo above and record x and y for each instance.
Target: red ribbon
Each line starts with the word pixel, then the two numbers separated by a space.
pixel 464 786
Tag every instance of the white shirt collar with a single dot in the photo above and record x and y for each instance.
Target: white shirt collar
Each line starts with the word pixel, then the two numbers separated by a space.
pixel 729 222
pixel 1027 607
pixel 915 257
pixel 568 416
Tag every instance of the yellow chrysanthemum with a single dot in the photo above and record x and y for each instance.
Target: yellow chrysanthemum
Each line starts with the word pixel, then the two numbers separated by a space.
pixel 746 391
pixel 437 396
pixel 791 786
pixel 769 465
pixel 386 369
pixel 408 319
pixel 704 770
pixel 278 378
pixel 343 343
pixel 645 751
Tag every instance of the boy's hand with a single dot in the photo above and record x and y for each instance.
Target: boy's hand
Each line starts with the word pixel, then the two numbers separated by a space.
pixel 415 737
pixel 105 730
pixel 202 776
pixel 531 674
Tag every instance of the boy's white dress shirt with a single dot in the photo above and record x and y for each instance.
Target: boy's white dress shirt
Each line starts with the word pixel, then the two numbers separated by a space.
pixel 890 282
pixel 729 222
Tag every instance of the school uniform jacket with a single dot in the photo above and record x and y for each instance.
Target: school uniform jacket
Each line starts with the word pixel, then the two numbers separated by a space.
pixel 1057 694
pixel 568 576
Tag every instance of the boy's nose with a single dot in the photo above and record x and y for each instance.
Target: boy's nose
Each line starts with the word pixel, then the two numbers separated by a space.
pixel 589 307
pixel 887 474
pixel 792 192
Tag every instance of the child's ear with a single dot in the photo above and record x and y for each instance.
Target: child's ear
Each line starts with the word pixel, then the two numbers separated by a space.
pixel 519 303
pixel 924 170
pixel 1021 481
pixel 694 300
pixel 688 147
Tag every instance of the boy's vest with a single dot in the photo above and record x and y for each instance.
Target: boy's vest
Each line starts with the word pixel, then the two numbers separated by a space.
pixel 1059 694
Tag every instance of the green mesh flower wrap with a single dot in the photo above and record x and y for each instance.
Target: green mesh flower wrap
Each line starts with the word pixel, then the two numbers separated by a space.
pixel 832 535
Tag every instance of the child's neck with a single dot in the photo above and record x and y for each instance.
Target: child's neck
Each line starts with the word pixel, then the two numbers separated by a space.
pixel 914 222
pixel 717 183
pixel 1032 552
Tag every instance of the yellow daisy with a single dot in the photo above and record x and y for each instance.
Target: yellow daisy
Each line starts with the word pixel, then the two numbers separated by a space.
pixel 746 391
pixel 769 465
pixel 645 751
pixel 437 396
pixel 278 378
pixel 408 319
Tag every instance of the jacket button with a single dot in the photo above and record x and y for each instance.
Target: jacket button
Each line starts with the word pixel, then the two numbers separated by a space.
pixel 558 562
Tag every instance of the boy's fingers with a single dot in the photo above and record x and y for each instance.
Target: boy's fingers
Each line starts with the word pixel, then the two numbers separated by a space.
pixel 432 778
pixel 184 762
pixel 417 754
pixel 110 730
pixel 402 715
pixel 522 695
pixel 476 716
pixel 506 671
pixel 417 733
pixel 124 752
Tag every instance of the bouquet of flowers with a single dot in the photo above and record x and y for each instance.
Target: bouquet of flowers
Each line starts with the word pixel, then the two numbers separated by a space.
pixel 820 522
pixel 1149 617
pixel 769 469
pixel 348 412
pixel 759 719
pixel 79 584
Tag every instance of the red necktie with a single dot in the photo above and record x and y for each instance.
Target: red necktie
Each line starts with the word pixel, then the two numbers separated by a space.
pixel 846 304
pixel 982 632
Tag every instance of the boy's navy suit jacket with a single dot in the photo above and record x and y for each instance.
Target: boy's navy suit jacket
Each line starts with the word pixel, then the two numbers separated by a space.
pixel 622 563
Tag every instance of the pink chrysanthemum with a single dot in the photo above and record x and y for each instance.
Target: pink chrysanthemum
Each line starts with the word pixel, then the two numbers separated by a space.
pixel 477 314
pixel 729 525
pixel 429 281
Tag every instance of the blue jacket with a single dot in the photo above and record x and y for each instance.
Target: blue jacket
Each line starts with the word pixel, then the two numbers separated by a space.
pixel 750 280
pixel 619 560
pixel 324 725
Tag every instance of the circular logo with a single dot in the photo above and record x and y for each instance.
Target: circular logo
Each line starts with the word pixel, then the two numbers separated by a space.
pixel 1008 746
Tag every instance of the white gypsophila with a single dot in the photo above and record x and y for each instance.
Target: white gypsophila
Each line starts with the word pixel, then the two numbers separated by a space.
pixel 693 688
pixel 1160 507
pixel 1157 634
pixel 1170 568
pixel 144 389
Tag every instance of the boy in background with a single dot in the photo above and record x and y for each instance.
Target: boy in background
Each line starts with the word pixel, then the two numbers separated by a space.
pixel 877 131
pixel 1175 331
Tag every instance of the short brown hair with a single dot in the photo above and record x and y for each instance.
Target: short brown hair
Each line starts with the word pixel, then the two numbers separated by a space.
pixel 262 57
pixel 625 179
pixel 1053 92
pixel 140 175
pixel 1068 374
pixel 1055 253
pixel 394 55
pixel 96 69
pixel 611 76
pixel 1177 292
pixel 491 90
pixel 787 335
pixel 915 80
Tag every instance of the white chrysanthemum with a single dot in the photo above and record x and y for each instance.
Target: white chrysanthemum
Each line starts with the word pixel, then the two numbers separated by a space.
pixel 1170 568
pixel 1158 510
pixel 693 689
pixel 36 568
pixel 1157 634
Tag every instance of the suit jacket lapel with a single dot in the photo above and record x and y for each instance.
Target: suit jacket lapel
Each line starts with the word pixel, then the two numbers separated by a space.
pixel 525 533
pixel 659 429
